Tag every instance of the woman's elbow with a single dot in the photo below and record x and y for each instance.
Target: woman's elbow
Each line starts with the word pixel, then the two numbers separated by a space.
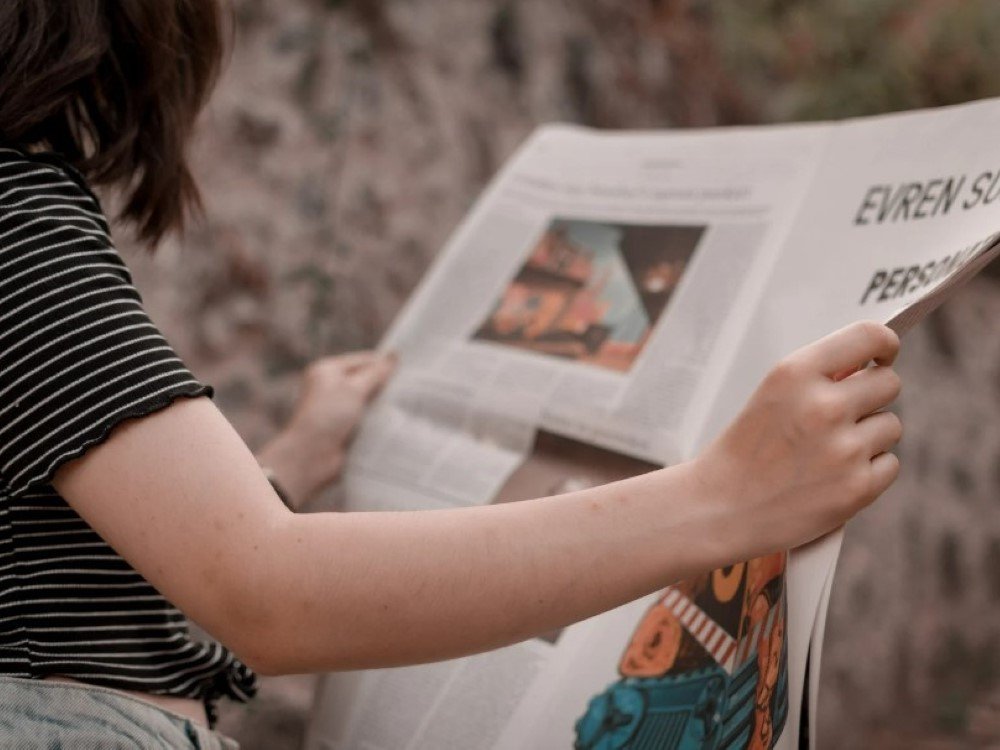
pixel 263 658
pixel 279 646
pixel 260 642
pixel 251 623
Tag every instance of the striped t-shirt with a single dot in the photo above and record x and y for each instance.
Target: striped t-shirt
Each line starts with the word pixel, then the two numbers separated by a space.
pixel 78 355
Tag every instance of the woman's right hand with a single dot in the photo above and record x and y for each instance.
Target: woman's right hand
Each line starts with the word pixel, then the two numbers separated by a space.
pixel 810 448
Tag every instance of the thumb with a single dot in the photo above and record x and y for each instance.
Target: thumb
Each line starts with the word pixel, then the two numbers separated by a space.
pixel 369 378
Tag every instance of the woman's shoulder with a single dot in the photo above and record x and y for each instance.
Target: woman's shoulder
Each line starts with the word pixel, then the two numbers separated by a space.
pixel 42 191
pixel 24 174
pixel 14 159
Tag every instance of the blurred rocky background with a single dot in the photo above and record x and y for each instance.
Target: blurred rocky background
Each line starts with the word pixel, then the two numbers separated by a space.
pixel 347 139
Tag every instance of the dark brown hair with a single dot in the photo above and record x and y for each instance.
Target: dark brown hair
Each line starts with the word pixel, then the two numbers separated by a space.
pixel 115 86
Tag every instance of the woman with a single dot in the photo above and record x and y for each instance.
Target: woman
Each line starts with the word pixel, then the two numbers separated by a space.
pixel 123 505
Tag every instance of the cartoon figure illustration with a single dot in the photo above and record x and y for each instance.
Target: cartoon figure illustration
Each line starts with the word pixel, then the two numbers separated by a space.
pixel 706 669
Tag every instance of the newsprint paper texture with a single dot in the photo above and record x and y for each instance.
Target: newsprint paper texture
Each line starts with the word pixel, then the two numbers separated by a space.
pixel 605 309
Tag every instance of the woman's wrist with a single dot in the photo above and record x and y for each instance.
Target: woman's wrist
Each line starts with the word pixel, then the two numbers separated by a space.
pixel 295 469
pixel 703 521
pixel 725 527
pixel 279 489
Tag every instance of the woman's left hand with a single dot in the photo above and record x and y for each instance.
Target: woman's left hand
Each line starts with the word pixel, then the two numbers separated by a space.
pixel 308 453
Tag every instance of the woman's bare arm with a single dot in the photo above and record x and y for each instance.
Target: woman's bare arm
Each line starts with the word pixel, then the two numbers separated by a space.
pixel 180 496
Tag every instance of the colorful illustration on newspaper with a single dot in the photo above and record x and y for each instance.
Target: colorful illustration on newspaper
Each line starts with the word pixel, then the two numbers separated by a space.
pixel 592 291
pixel 706 668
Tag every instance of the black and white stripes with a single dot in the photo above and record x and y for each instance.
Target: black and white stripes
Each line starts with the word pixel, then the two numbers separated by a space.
pixel 79 354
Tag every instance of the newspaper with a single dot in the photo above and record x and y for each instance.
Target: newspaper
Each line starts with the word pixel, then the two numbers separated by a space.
pixel 605 309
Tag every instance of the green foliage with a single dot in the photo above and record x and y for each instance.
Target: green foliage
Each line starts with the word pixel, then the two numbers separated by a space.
pixel 952 711
pixel 842 58
pixel 961 675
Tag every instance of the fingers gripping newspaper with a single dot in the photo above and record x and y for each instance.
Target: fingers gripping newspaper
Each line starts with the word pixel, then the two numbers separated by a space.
pixel 606 309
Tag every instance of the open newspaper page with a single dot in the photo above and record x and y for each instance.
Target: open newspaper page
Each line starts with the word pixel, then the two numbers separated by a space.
pixel 564 338
pixel 903 209
pixel 525 374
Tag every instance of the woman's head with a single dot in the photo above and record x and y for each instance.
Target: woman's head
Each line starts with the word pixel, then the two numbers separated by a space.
pixel 115 86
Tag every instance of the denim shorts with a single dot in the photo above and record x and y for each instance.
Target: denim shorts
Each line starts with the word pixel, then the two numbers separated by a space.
pixel 65 716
